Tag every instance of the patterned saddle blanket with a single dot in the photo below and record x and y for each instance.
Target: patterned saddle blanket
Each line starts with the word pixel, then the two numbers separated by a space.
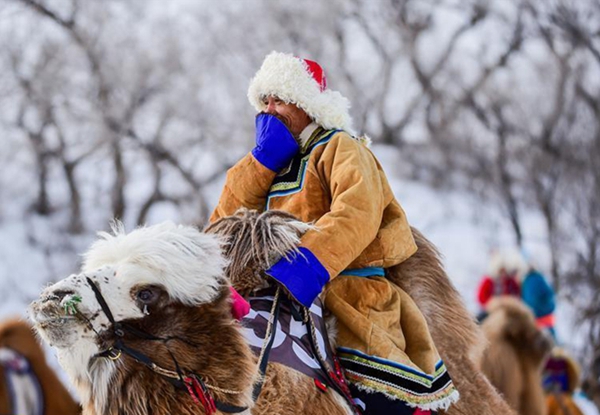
pixel 292 343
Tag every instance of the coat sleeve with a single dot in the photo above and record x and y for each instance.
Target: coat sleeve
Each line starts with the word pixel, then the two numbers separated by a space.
pixel 247 185
pixel 353 178
pixel 485 290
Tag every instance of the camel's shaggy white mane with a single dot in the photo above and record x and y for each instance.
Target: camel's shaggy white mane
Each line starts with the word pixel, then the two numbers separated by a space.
pixel 95 382
pixel 102 371
pixel 89 379
pixel 188 263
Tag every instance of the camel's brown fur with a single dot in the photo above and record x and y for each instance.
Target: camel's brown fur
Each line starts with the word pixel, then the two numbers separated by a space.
pixel 17 335
pixel 513 361
pixel 287 392
pixel 457 337
pixel 284 391
pixel 207 342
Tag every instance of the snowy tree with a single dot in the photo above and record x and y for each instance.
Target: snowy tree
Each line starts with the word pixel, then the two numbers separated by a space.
pixel 134 109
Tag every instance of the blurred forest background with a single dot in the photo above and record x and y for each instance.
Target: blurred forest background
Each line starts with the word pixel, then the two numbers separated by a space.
pixel 135 108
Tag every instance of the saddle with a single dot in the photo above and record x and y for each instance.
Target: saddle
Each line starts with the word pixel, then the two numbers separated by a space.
pixel 280 330
pixel 292 344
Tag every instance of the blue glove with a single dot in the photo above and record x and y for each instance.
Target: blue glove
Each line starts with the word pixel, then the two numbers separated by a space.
pixel 302 275
pixel 275 145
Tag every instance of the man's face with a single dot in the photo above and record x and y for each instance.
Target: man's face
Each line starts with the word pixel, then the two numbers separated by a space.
pixel 293 117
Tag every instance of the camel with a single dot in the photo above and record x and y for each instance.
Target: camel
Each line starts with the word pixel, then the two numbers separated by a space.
pixel 516 354
pixel 146 283
pixel 147 328
pixel 253 245
pixel 561 379
pixel 20 349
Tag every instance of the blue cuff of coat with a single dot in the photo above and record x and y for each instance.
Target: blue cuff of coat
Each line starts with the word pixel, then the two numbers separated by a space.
pixel 303 276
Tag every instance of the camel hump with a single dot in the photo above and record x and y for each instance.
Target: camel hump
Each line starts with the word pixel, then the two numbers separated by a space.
pixel 13 324
pixel 255 241
pixel 512 305
pixel 17 334
pixel 509 317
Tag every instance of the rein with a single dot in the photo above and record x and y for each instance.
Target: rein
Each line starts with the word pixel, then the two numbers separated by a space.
pixel 335 375
pixel 195 386
pixel 331 372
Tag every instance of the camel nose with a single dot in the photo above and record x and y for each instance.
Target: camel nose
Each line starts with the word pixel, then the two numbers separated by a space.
pixel 57 295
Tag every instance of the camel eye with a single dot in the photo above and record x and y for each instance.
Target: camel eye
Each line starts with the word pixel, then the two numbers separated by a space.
pixel 146 295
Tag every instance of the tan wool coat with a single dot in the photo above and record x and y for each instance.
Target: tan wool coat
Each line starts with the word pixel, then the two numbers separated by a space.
pixel 339 186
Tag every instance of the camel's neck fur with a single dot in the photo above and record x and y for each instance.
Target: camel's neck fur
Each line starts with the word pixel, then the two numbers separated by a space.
pixel 213 348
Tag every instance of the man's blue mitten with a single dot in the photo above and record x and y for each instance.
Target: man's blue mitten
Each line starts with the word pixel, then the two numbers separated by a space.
pixel 302 275
pixel 275 145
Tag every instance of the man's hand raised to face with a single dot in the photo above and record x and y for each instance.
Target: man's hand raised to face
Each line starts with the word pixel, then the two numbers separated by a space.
pixel 275 145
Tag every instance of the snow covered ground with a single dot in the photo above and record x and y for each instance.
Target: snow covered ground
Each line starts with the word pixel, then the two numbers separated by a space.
pixel 464 229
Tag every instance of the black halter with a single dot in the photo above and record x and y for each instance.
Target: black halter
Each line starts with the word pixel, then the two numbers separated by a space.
pixel 191 383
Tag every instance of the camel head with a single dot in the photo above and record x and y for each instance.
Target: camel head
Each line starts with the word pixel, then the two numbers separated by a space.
pixel 148 279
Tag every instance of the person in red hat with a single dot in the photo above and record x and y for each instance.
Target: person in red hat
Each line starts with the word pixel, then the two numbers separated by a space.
pixel 307 161
pixel 503 278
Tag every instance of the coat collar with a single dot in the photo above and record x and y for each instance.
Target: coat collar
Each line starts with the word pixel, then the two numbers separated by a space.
pixel 307 133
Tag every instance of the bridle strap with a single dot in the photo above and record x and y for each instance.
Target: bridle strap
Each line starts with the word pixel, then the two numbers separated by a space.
pixel 101 301
pixel 335 380
pixel 119 329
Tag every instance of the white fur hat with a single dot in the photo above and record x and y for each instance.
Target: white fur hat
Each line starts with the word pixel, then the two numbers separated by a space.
pixel 301 82
pixel 510 260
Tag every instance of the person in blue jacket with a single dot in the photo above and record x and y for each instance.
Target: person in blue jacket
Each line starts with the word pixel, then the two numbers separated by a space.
pixel 538 294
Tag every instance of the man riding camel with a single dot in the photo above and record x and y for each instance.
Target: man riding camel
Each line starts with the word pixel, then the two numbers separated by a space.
pixel 307 162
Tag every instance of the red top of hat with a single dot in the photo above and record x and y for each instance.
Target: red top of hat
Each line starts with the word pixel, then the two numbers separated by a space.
pixel 317 73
